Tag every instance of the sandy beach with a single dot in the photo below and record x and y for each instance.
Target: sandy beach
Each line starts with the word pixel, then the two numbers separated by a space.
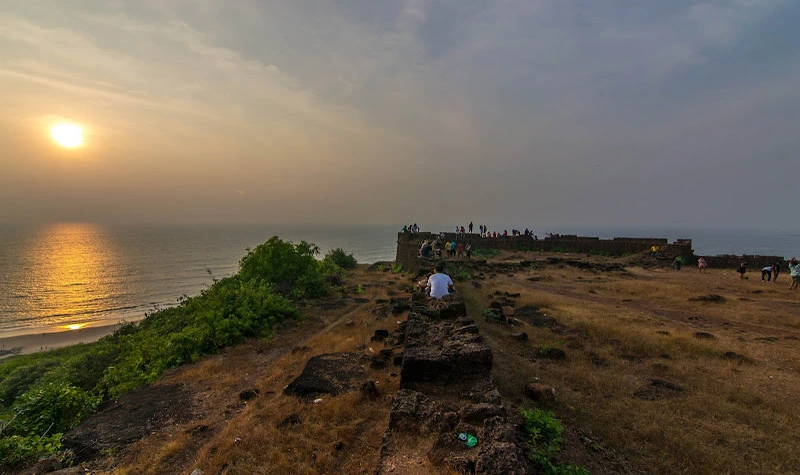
pixel 25 344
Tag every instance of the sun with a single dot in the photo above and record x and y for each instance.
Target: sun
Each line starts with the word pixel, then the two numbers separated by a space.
pixel 67 135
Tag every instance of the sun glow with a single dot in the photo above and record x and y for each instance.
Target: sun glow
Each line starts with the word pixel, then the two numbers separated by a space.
pixel 67 135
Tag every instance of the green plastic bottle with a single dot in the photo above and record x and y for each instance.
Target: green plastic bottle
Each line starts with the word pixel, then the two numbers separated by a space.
pixel 468 439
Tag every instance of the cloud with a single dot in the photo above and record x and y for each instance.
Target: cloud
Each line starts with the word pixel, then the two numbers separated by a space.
pixel 573 111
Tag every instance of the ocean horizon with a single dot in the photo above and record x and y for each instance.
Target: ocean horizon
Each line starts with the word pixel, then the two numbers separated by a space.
pixel 63 276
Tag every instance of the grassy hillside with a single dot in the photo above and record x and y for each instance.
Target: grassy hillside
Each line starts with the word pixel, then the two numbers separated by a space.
pixel 43 395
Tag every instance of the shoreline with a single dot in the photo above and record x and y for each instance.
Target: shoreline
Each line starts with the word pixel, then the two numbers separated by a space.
pixel 36 342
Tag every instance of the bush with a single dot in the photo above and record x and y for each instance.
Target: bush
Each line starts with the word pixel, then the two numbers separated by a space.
pixel 341 259
pixel 49 408
pixel 485 253
pixel 545 436
pixel 46 394
pixel 291 269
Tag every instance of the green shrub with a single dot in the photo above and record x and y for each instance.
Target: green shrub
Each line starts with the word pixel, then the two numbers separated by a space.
pixel 545 436
pixel 341 259
pixel 397 268
pixel 485 252
pixel 291 269
pixel 18 450
pixel 45 394
pixel 48 408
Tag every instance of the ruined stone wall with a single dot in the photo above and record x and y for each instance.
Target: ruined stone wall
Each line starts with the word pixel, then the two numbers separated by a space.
pixel 754 262
pixel 408 245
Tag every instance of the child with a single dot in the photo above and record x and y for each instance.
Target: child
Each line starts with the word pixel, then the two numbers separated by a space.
pixel 701 265
pixel 677 263
pixel 742 269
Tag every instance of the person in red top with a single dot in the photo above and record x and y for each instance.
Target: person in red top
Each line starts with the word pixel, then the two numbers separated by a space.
pixel 460 250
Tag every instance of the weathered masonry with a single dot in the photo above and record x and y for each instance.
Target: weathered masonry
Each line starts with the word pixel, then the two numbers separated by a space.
pixel 408 245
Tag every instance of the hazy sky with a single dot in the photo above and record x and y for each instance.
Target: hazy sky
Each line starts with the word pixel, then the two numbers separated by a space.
pixel 595 112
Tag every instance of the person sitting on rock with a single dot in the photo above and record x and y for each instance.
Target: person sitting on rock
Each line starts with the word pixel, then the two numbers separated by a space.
pixel 427 251
pixel 439 283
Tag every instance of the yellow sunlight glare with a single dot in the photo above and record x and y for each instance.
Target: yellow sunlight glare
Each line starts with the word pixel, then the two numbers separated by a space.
pixel 67 135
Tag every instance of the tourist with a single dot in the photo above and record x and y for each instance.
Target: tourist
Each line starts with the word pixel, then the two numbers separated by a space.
pixel 742 269
pixel 447 248
pixel 460 250
pixel 701 265
pixel 794 273
pixel 766 273
pixel 405 229
pixel 439 283
pixel 452 249
pixel 470 227
pixel 776 269
pixel 654 251
pixel 469 251
pixel 677 262
pixel 427 251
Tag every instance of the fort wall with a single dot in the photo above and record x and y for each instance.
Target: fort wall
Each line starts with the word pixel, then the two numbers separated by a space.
pixel 408 246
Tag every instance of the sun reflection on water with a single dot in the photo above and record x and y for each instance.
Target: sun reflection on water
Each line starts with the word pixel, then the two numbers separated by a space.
pixel 72 262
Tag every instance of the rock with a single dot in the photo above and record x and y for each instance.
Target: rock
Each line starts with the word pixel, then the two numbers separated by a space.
pixel 708 298
pixel 290 420
pixel 552 353
pixel 369 390
pixel 704 336
pixel 498 429
pixel 436 351
pixel 732 355
pixel 408 411
pixel 380 335
pixel 519 336
pixel 501 458
pixel 129 418
pixel 540 392
pixel 331 373
pixel 508 311
pixel 476 414
pixel 658 389
pixel 449 307
pixel 249 394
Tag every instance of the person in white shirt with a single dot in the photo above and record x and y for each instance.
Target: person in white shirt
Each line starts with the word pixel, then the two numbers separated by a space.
pixel 766 273
pixel 439 284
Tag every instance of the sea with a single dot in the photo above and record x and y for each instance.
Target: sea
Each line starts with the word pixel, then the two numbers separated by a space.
pixel 63 276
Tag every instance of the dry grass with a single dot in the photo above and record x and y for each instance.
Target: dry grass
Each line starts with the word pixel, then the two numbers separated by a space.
pixel 620 331
pixel 733 416
pixel 341 434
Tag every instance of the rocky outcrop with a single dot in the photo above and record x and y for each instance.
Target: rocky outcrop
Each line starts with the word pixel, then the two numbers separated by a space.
pixel 446 389
pixel 331 373
pixel 129 418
